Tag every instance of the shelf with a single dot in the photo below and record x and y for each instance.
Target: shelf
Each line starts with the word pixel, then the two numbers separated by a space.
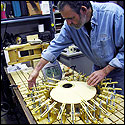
pixel 58 24
pixel 59 18
pixel 24 18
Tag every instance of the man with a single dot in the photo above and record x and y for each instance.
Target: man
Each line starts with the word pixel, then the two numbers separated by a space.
pixel 98 30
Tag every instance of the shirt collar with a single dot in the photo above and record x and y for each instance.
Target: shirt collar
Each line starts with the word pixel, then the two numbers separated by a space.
pixel 94 15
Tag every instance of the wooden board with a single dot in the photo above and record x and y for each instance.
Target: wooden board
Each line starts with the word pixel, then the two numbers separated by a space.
pixel 74 92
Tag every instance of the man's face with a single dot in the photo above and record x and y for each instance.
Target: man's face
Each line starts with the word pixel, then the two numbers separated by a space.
pixel 72 18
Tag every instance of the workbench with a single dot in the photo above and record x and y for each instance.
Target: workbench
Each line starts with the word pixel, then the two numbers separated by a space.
pixel 19 77
pixel 20 99
pixel 85 104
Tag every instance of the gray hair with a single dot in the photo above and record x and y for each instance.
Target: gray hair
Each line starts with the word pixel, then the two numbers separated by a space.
pixel 75 5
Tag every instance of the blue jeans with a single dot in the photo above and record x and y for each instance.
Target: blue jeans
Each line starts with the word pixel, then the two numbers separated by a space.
pixel 117 75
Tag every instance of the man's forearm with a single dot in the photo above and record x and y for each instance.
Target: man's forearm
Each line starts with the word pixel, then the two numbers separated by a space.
pixel 41 64
pixel 108 69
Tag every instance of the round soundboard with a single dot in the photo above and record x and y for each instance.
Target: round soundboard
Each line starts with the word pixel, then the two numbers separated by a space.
pixel 72 92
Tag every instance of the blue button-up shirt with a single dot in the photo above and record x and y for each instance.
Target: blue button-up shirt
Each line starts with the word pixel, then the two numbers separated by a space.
pixel 104 45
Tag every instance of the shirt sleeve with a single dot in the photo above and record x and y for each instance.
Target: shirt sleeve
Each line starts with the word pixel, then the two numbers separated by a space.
pixel 59 43
pixel 118 61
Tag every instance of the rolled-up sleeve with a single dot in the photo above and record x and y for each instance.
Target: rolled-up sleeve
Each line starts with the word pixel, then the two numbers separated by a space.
pixel 118 61
pixel 56 46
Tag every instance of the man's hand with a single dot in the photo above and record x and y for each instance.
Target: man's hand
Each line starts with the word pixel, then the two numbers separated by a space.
pixel 96 77
pixel 35 72
pixel 32 79
pixel 99 75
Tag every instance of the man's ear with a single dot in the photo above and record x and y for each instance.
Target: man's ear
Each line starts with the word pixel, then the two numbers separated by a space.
pixel 83 9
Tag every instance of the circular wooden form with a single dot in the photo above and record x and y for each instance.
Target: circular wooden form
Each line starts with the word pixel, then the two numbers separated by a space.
pixel 72 92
